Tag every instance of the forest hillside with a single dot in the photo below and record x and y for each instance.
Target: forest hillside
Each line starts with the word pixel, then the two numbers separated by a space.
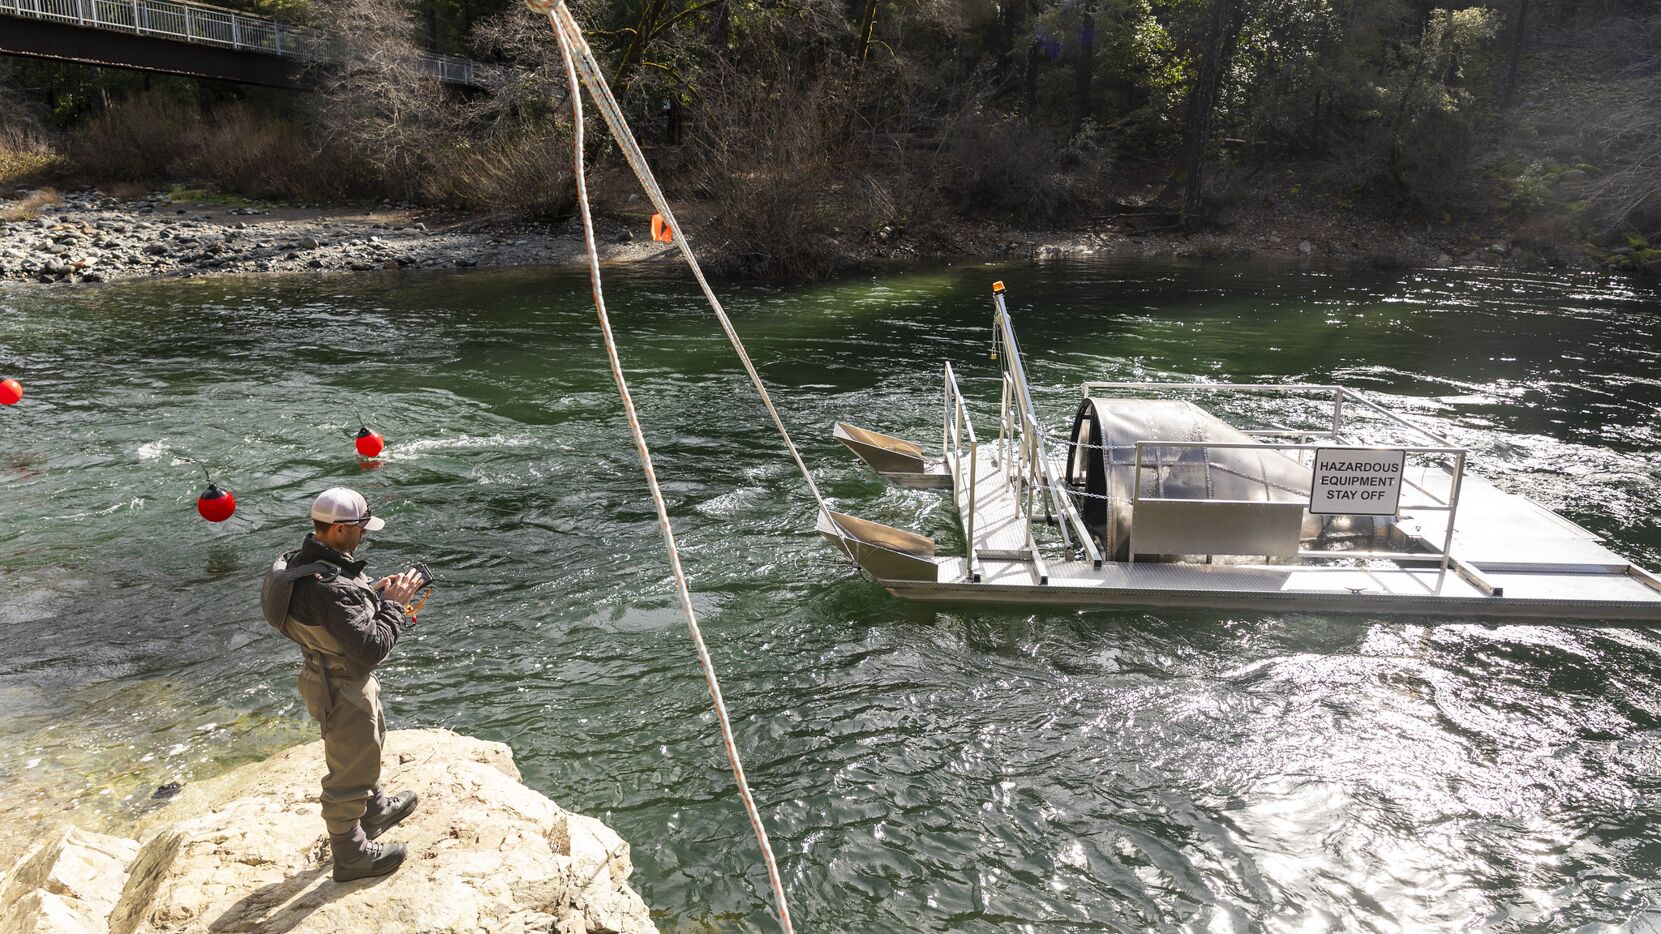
pixel 805 134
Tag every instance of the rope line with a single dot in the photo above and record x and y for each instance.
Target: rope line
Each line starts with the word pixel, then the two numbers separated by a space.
pixel 569 37
pixel 565 24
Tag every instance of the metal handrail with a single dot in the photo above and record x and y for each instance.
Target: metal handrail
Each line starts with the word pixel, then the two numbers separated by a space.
pixel 201 24
pixel 1035 461
pixel 955 400
pixel 1339 395
pixel 956 422
pixel 1451 507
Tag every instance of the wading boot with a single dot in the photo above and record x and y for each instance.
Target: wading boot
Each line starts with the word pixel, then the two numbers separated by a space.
pixel 356 858
pixel 392 810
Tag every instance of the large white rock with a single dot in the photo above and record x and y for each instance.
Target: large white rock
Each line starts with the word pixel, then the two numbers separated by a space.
pixel 67 882
pixel 247 852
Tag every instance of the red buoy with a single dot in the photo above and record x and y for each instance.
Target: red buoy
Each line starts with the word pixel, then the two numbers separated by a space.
pixel 214 504
pixel 369 443
pixel 11 391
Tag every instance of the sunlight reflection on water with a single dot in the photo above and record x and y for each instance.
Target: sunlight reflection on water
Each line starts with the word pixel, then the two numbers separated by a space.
pixel 921 769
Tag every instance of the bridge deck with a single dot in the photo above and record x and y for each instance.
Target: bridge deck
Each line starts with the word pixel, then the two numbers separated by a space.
pixel 180 37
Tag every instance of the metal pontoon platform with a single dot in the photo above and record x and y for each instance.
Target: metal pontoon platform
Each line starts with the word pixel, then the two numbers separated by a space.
pixel 1159 504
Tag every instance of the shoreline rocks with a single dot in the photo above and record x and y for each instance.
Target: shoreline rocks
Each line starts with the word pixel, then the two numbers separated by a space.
pixel 69 880
pixel 247 851
pixel 93 237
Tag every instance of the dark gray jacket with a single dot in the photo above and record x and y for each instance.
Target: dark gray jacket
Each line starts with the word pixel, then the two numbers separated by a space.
pixel 358 621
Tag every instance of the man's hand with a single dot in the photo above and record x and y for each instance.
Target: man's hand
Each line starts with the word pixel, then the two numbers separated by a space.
pixel 399 587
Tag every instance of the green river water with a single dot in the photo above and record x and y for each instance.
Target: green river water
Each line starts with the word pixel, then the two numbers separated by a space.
pixel 920 769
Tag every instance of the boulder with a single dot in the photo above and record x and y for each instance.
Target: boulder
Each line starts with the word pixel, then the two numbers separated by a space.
pixel 67 882
pixel 1305 247
pixel 247 851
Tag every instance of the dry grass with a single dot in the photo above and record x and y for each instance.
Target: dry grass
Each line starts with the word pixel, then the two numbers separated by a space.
pixel 524 173
pixel 128 191
pixel 26 157
pixel 31 206
pixel 258 156
pixel 776 177
pixel 1013 170
pixel 143 141
pixel 135 140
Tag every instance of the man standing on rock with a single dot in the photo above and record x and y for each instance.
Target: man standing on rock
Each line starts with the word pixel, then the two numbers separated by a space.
pixel 319 597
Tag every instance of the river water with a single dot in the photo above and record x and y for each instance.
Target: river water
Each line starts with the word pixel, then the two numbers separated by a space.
pixel 957 769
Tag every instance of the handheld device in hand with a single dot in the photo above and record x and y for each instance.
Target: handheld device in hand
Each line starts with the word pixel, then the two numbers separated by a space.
pixel 424 574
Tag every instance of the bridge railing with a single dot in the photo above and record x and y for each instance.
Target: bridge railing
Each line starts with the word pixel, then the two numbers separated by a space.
pixel 205 25
pixel 455 70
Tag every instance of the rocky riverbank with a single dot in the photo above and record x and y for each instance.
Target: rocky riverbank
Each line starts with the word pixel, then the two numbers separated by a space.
pixel 246 852
pixel 90 236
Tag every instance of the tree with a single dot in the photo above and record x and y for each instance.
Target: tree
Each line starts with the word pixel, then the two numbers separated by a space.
pixel 1084 68
pixel 1222 33
pixel 1509 95
pixel 376 101
pixel 1434 86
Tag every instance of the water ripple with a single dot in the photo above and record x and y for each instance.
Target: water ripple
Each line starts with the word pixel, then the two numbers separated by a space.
pixel 921 769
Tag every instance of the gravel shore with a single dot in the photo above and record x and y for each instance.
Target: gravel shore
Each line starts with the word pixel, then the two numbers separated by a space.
pixel 93 237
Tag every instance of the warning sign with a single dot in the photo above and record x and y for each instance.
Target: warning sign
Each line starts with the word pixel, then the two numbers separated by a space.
pixel 1351 482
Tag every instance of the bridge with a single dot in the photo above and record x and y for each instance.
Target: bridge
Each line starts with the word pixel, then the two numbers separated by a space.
pixel 182 38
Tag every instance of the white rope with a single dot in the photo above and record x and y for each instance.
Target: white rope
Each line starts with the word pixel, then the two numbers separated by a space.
pixel 682 590
pixel 566 25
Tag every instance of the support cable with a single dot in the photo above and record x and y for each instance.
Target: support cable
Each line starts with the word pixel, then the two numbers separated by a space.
pixel 683 591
